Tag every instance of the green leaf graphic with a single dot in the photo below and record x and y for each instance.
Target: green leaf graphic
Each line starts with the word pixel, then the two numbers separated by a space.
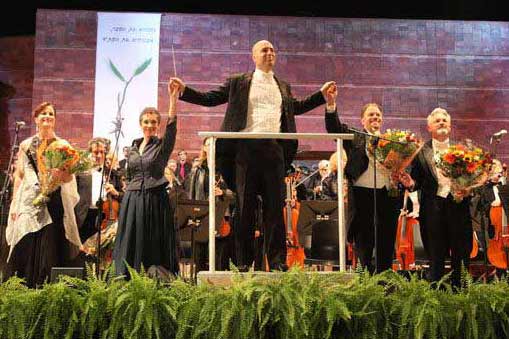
pixel 116 71
pixel 142 67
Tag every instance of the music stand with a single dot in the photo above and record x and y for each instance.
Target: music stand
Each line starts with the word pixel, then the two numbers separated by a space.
pixel 193 220
pixel 319 219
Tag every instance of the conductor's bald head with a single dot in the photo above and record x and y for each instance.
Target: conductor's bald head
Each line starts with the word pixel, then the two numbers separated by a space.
pixel 264 55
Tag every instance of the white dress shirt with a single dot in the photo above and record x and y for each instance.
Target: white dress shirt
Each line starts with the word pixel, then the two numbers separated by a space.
pixel 96 187
pixel 444 183
pixel 264 105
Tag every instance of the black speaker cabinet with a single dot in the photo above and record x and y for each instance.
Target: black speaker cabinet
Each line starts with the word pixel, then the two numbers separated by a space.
pixel 78 272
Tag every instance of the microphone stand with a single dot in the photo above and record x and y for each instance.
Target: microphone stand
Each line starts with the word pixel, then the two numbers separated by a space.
pixel 374 142
pixel 5 187
pixel 99 218
pixel 494 141
pixel 118 131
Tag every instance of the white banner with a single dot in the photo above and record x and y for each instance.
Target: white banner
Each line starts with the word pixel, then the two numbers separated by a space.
pixel 126 72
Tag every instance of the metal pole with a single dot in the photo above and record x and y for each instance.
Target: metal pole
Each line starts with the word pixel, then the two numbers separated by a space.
pixel 237 135
pixel 341 218
pixel 212 204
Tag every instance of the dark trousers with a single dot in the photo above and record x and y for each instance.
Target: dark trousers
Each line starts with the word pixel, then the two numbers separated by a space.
pixel 259 169
pixel 448 230
pixel 363 230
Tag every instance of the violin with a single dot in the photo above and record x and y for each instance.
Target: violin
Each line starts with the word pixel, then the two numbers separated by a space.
pixel 110 207
pixel 405 253
pixel 294 251
pixel 224 229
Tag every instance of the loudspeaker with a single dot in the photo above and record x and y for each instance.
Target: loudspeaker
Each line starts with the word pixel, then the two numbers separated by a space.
pixel 77 272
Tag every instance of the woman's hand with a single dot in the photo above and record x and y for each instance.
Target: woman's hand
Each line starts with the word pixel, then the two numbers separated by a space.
pixel 62 175
pixel 173 89
pixel 173 92
pixel 179 83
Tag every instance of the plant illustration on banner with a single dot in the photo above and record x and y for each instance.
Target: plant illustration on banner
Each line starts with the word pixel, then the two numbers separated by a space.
pixel 121 96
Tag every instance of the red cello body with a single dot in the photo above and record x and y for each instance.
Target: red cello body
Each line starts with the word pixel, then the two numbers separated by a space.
pixel 294 251
pixel 498 247
pixel 405 252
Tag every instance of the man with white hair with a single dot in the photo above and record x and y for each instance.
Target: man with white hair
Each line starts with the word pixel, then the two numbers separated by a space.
pixel 257 102
pixel 314 187
pixel 446 226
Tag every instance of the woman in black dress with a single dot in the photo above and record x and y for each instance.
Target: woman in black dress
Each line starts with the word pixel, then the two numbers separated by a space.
pixel 146 233
pixel 44 236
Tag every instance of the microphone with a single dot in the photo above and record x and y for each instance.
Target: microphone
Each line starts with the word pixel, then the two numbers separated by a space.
pixel 497 136
pixel 21 124
pixel 500 133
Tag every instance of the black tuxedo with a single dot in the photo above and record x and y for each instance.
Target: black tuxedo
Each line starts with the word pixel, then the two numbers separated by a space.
pixel 85 215
pixel 255 166
pixel 445 224
pixel 360 204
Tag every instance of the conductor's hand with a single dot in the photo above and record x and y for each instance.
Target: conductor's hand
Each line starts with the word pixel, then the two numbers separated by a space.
pixel 331 94
pixel 180 85
pixel 325 88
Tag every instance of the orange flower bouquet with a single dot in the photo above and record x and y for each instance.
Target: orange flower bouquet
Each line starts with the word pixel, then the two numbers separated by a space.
pixel 58 156
pixel 466 166
pixel 395 151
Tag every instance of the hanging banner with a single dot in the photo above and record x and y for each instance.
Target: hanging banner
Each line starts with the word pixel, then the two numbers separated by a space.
pixel 126 73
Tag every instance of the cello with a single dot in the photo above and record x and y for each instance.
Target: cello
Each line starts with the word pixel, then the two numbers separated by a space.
pixel 405 237
pixel 294 251
pixel 498 246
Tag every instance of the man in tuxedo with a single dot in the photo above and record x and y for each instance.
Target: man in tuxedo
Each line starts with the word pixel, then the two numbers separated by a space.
pixel 446 226
pixel 257 102
pixel 89 184
pixel 359 173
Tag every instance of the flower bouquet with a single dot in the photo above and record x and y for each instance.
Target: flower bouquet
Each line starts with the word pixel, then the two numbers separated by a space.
pixel 54 159
pixel 467 167
pixel 394 151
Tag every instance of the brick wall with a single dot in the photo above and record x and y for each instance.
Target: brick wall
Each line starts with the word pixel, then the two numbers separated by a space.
pixel 408 66
pixel 16 70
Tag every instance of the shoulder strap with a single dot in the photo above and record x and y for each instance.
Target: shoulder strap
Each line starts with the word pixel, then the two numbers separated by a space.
pixel 29 155
pixel 32 161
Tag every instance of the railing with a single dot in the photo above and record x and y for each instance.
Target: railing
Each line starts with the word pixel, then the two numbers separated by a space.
pixel 239 135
